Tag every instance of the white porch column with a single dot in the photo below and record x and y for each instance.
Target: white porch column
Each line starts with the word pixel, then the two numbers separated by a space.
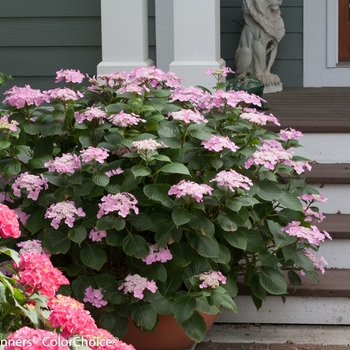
pixel 164 33
pixel 124 35
pixel 196 41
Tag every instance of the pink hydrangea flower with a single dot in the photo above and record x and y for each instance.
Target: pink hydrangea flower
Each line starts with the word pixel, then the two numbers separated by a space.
pixel 6 126
pixel 133 88
pixel 258 118
pixel 22 215
pixel 67 163
pixel 70 315
pixel 233 180
pixel 290 134
pixel 191 94
pixel 122 203
pixel 136 285
pixel 69 76
pixel 114 172
pixel 98 154
pixel 125 120
pixel 319 262
pixel 31 246
pixel 224 71
pixel 310 234
pixel 147 145
pixel 24 96
pixel 27 338
pixel 90 114
pixel 157 254
pixel 211 279
pixel 9 225
pixel 218 143
pixel 37 274
pixel 270 154
pixel 313 197
pixel 63 211
pixel 96 235
pixel 191 189
pixel 94 296
pixel 31 183
pixel 188 116
pixel 64 94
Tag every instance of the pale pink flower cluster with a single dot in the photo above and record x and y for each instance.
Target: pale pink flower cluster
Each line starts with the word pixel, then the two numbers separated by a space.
pixel 96 235
pixel 271 153
pixel 31 183
pixel 188 116
pixel 24 96
pixel 27 338
pixel 22 215
pixel 122 203
pixel 6 125
pixel 136 285
pixel 233 98
pixel 157 254
pixel 319 262
pixel 224 71
pixel 211 279
pixel 124 120
pixel 98 154
pixel 133 88
pixel 147 145
pixel 191 189
pixel 90 114
pixel 310 234
pixel 290 134
pixel 258 118
pixel 9 225
pixel 69 76
pixel 313 197
pixel 114 172
pixel 64 94
pixel 94 296
pixel 233 180
pixel 31 246
pixel 218 143
pixel 313 216
pixel 63 211
pixel 67 163
pixel 192 94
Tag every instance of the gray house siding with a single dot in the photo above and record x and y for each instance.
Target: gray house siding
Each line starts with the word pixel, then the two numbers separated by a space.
pixel 38 38
pixel 289 61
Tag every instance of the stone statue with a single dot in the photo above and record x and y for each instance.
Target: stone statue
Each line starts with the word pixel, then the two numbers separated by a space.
pixel 257 50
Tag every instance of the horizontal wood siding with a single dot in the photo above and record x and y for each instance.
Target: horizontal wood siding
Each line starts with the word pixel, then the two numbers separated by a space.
pixel 39 38
pixel 289 61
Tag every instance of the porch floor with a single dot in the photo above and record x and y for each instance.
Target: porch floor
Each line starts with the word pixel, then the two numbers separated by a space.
pixel 311 110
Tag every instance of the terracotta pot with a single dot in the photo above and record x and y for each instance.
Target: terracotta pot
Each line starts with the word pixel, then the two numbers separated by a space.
pixel 168 335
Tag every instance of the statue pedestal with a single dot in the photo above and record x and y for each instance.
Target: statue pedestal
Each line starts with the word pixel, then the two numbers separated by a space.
pixel 273 88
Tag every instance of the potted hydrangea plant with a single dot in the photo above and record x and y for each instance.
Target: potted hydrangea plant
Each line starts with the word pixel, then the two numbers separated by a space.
pixel 157 199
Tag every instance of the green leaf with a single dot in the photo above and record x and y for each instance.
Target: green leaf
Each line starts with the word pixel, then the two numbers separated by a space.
pixel 162 306
pixel 100 180
pixel 228 303
pixel 183 307
pixel 57 242
pixel 157 192
pixel 93 257
pixel 141 170
pixel 105 223
pixel 141 222
pixel 77 234
pixel 39 162
pixel 269 191
pixel 181 216
pixel 175 168
pixel 273 281
pixel 236 239
pixel 226 222
pixel 205 246
pixel 201 224
pixel 12 167
pixel 144 315
pixel 281 238
pixel 294 279
pixel 195 327
pixel 290 201
pixel 36 221
pixel 255 241
pixel 268 258
pixel 4 144
pixel 233 204
pixel 107 321
pixel 135 245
